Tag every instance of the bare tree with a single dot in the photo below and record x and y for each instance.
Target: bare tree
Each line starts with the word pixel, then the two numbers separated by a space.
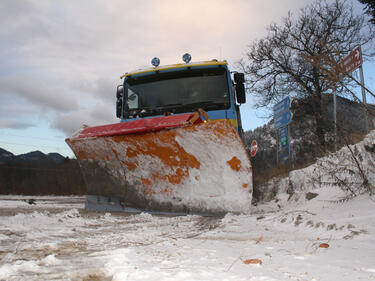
pixel 276 65
pixel 330 63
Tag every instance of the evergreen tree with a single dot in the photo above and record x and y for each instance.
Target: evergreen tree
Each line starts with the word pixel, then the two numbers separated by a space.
pixel 369 9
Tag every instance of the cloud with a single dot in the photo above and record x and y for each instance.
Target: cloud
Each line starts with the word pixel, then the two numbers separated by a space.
pixel 96 89
pixel 15 124
pixel 65 58
pixel 15 113
pixel 100 114
pixel 37 92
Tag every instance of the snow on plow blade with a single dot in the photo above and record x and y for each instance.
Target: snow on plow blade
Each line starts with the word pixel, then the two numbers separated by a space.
pixel 166 164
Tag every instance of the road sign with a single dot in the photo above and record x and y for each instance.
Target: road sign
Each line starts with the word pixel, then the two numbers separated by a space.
pixel 282 120
pixel 282 106
pixel 352 61
pixel 284 141
pixel 254 148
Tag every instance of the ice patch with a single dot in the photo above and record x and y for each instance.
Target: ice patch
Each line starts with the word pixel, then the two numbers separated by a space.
pixel 50 260
pixel 145 216
pixel 73 213
pixel 6 270
pixel 369 269
pixel 120 276
pixel 117 263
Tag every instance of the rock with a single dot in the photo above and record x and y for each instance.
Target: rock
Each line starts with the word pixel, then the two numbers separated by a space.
pixel 311 195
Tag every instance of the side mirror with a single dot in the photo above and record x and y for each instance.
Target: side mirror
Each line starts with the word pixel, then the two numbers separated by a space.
pixel 119 96
pixel 240 93
pixel 239 78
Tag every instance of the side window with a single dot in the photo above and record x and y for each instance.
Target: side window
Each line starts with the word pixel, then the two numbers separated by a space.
pixel 132 99
pixel 119 101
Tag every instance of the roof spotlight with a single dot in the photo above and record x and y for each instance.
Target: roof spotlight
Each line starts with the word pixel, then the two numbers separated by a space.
pixel 186 58
pixel 155 61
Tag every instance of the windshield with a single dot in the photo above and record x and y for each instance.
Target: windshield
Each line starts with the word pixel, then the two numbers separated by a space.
pixel 181 91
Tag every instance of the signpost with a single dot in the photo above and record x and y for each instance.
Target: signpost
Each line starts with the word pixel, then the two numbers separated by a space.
pixel 282 106
pixel 254 148
pixel 284 141
pixel 281 118
pixel 350 63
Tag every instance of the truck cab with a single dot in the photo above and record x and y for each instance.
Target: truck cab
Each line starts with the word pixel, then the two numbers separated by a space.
pixel 182 88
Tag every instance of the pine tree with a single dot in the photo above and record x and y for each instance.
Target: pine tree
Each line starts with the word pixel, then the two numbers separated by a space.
pixel 369 9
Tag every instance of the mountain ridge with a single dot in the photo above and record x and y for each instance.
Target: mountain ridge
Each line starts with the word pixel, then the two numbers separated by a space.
pixel 7 156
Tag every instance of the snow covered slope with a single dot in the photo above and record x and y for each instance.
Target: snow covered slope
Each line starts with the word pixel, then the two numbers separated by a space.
pixel 352 168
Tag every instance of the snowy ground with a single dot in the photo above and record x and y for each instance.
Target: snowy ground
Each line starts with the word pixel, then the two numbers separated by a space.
pixel 57 240
pixel 293 237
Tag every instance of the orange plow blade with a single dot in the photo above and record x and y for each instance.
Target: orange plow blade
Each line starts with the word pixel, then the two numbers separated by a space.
pixel 202 168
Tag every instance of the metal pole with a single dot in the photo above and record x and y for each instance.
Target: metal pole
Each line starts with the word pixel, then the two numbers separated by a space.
pixel 364 97
pixel 289 144
pixel 277 148
pixel 290 149
pixel 334 119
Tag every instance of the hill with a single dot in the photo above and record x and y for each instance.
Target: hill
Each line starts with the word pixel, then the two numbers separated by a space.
pixel 36 173
pixel 56 157
pixel 5 155
pixel 30 156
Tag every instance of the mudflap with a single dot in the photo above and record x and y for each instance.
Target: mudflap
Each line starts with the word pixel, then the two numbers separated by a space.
pixel 197 169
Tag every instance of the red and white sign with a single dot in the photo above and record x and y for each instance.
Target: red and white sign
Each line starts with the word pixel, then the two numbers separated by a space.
pixel 352 61
pixel 254 148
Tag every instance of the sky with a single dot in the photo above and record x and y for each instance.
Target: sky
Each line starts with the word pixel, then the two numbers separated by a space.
pixel 61 61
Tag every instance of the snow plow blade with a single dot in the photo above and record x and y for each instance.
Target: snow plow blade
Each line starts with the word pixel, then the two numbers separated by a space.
pixel 173 164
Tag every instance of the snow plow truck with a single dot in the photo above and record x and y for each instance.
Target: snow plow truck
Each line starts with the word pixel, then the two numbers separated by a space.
pixel 177 148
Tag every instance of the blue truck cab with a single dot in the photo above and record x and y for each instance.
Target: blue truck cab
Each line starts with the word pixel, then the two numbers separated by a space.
pixel 182 88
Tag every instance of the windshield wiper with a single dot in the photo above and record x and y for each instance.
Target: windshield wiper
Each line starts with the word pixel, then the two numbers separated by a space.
pixel 205 104
pixel 178 107
pixel 169 105
pixel 142 112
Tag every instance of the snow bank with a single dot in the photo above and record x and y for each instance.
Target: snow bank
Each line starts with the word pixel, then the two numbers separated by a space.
pixel 348 168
